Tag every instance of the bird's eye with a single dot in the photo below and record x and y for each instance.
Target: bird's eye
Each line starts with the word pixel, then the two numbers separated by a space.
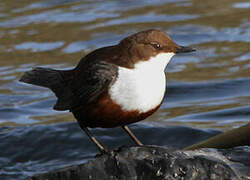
pixel 156 45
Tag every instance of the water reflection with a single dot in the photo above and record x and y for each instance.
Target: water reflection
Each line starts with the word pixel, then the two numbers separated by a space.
pixel 35 46
pixel 146 18
pixel 99 41
pixel 242 5
pixel 243 57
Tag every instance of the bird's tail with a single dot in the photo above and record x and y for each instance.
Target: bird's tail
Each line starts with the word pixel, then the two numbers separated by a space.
pixel 53 80
pixel 44 77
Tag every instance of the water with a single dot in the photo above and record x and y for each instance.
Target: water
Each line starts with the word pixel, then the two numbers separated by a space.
pixel 208 91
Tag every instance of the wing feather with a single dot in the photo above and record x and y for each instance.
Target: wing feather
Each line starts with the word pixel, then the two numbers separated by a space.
pixel 90 81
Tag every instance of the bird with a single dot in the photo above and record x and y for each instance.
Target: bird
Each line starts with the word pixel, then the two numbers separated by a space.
pixel 113 86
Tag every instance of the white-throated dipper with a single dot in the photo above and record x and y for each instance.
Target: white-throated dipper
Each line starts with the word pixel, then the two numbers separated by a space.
pixel 113 86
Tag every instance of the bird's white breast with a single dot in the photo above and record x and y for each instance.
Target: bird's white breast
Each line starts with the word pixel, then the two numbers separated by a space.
pixel 143 87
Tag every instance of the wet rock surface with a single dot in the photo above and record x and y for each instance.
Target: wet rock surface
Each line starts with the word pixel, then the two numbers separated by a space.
pixel 160 162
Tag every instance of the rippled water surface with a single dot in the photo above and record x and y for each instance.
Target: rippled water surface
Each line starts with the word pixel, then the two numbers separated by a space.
pixel 208 91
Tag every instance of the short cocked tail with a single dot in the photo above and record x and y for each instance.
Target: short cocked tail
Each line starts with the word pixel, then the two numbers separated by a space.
pixel 45 77
pixel 52 79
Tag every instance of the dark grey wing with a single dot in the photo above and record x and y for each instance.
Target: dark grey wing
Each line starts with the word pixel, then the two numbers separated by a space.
pixel 90 81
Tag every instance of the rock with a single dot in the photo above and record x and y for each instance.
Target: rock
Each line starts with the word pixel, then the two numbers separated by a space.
pixel 159 162
pixel 229 139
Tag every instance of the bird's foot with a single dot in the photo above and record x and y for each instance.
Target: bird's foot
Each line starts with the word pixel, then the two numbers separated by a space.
pixel 103 151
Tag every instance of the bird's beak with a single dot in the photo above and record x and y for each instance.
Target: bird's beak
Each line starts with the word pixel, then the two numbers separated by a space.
pixel 184 49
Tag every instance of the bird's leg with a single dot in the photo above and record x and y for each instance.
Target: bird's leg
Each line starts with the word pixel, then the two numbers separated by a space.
pixel 94 140
pixel 133 137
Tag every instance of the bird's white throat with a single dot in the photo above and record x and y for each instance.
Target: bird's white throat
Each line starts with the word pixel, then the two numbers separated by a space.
pixel 143 87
